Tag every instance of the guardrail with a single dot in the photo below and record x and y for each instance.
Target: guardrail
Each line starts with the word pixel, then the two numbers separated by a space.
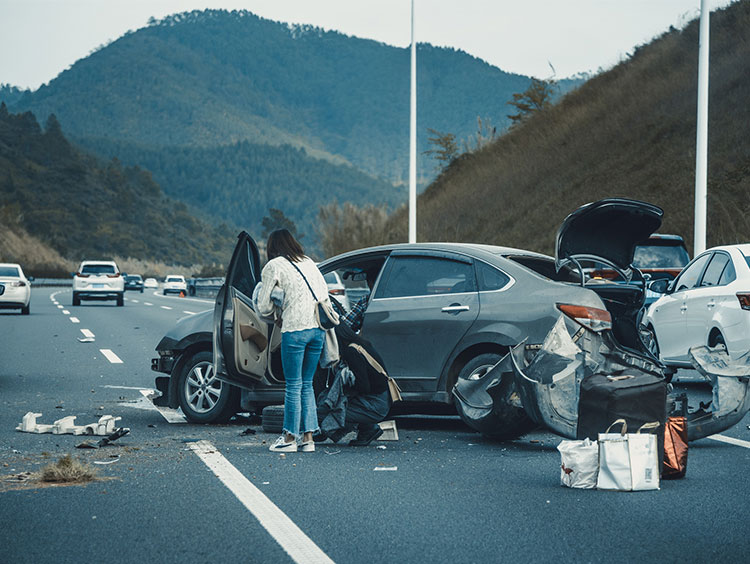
pixel 51 282
pixel 204 287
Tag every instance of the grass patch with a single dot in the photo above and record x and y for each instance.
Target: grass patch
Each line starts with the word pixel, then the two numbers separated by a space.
pixel 68 470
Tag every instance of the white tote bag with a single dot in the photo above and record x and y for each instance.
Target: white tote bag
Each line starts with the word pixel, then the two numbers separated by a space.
pixel 579 463
pixel 628 462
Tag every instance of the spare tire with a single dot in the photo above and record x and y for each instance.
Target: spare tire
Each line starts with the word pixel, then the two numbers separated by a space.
pixel 272 418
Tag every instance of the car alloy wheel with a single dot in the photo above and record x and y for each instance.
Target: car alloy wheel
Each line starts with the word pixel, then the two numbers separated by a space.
pixel 203 397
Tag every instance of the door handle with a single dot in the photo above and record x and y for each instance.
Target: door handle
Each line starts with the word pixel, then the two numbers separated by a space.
pixel 683 308
pixel 711 304
pixel 454 308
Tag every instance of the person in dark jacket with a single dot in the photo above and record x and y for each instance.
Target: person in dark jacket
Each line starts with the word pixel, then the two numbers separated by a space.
pixel 368 400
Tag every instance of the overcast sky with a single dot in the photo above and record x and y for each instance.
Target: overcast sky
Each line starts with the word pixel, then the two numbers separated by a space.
pixel 41 38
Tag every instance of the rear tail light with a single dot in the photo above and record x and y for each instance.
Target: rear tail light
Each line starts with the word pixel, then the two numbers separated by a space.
pixel 744 298
pixel 337 292
pixel 82 275
pixel 113 275
pixel 591 318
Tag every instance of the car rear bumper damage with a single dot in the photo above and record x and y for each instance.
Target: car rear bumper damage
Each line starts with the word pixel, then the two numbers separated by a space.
pixel 547 380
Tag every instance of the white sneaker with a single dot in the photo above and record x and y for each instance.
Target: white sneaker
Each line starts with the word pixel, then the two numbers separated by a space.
pixel 309 446
pixel 282 446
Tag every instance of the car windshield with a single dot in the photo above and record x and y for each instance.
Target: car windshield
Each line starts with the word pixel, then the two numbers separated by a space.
pixel 331 278
pixel 133 278
pixel 173 279
pixel 660 256
pixel 11 271
pixel 98 269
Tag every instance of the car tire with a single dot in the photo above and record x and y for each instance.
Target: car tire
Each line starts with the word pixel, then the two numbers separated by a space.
pixel 203 397
pixel 141 290
pixel 272 419
pixel 717 339
pixel 25 309
pixel 76 299
pixel 120 300
pixel 165 292
pixel 515 421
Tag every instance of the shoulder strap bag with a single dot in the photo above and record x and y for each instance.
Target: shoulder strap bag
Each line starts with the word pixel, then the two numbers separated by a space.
pixel 325 315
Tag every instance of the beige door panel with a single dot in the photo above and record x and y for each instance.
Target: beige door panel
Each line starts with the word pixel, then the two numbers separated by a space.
pixel 250 341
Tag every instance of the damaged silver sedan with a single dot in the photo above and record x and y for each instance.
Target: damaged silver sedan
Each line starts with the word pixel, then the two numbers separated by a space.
pixel 541 382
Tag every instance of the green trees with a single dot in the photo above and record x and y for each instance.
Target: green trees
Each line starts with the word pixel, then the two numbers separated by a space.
pixel 538 96
pixel 277 220
pixel 445 148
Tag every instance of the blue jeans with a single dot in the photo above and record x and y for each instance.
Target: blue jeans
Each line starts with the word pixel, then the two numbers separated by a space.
pixel 300 353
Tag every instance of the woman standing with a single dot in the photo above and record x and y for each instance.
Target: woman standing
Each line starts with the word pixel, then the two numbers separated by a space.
pixel 301 337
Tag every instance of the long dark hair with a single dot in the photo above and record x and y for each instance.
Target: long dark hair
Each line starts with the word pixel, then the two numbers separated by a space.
pixel 281 243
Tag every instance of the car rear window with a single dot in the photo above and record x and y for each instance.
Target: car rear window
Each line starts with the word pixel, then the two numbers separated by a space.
pixel 546 267
pixel 98 269
pixel 660 256
pixel 11 271
pixel 173 279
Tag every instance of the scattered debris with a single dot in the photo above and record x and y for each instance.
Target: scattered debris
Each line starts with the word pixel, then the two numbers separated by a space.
pixel 190 440
pixel 385 468
pixel 106 461
pixel 67 426
pixel 109 439
pixel 381 447
pixel 86 339
pixel 68 470
pixel 331 451
pixel 22 477
pixel 266 483
pixel 86 444
pixel 247 431
pixel 390 433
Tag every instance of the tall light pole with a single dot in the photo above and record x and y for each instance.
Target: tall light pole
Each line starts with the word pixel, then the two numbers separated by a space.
pixel 413 138
pixel 701 144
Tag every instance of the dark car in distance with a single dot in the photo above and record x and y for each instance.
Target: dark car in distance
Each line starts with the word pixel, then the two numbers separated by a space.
pixel 134 282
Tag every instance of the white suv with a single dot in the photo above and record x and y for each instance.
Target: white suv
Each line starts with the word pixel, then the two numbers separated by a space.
pixel 98 280
pixel 174 283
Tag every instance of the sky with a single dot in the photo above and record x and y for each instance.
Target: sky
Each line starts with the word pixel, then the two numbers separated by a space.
pixel 542 38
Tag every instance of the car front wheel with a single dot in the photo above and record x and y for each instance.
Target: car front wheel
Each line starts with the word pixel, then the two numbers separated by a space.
pixel 203 397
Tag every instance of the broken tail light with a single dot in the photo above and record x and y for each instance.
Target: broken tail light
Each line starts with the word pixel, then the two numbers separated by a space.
pixel 744 298
pixel 591 318
pixel 337 292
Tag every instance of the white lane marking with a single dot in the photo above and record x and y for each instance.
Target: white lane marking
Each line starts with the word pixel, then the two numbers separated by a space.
pixel 289 536
pixel 87 333
pixel 74 319
pixel 65 312
pixel 730 440
pixel 165 307
pixel 189 312
pixel 171 415
pixel 112 357
pixel 134 301
pixel 60 306
pixel 147 303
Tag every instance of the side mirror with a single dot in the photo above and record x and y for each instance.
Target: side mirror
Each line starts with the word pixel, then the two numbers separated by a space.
pixel 30 278
pixel 660 286
pixel 2 289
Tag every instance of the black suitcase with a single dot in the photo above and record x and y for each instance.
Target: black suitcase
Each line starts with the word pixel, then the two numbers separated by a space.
pixel 634 396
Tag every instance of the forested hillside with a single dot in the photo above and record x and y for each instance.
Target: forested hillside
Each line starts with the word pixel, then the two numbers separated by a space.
pixel 214 78
pixel 239 183
pixel 83 207
pixel 627 132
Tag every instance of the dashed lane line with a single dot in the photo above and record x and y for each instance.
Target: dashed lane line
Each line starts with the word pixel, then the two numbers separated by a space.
pixel 74 320
pixel 112 357
pixel 284 531
pixel 147 303
pixel 165 307
pixel 730 440
pixel 189 312
pixel 87 333
pixel 65 312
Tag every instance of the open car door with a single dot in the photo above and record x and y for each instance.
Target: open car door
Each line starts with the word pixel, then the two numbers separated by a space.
pixel 240 336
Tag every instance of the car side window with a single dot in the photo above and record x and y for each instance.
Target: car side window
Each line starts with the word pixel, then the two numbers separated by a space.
pixel 425 276
pixel 689 278
pixel 729 275
pixel 490 278
pixel 714 270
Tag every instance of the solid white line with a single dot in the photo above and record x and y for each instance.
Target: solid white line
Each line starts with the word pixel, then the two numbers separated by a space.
pixel 87 333
pixel 730 440
pixel 74 319
pixel 165 307
pixel 65 312
pixel 112 357
pixel 189 312
pixel 171 415
pixel 147 303
pixel 289 536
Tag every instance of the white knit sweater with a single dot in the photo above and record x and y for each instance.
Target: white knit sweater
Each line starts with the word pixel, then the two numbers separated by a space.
pixel 298 311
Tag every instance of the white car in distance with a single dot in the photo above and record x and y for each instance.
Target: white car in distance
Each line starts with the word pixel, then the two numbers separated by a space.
pixel 15 291
pixel 174 284
pixel 707 304
pixel 98 280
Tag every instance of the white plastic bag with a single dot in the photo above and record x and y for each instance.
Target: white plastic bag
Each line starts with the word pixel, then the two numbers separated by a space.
pixel 628 462
pixel 580 463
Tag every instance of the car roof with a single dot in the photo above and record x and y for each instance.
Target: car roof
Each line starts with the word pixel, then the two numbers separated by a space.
pixel 744 248
pixel 473 249
pixel 110 262
pixel 666 237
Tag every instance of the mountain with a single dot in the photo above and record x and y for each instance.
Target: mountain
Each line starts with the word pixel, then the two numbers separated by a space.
pixel 218 80
pixel 83 207
pixel 628 132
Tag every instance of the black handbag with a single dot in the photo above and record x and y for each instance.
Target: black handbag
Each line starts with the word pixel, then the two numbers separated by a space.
pixel 325 315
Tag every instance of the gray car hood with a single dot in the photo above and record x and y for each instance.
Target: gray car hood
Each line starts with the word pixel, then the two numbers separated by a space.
pixel 609 229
